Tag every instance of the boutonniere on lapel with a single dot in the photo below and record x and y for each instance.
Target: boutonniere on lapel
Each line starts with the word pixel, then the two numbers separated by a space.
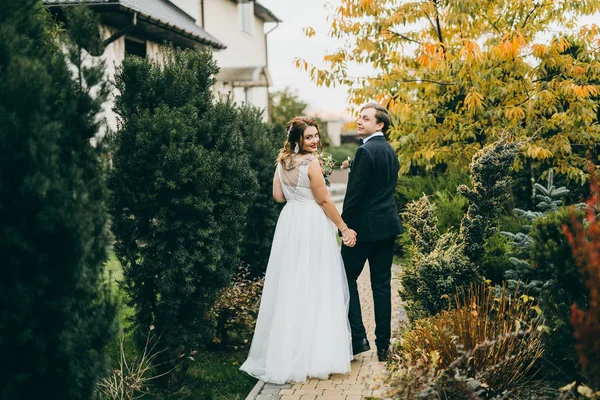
pixel 327 164
pixel 347 163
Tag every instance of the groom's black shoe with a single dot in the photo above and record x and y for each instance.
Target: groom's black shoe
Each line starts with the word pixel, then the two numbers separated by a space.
pixel 360 346
pixel 382 354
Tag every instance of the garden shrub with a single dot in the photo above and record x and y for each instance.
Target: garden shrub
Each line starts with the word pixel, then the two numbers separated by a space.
pixel 261 144
pixel 541 262
pixel 412 187
pixel 489 190
pixel 433 275
pixel 450 209
pixel 488 343
pixel 560 285
pixel 56 312
pixel 430 278
pixel 421 225
pixel 341 153
pixel 236 310
pixel 181 189
pixel 441 191
pixel 521 273
pixel 495 260
pixel 584 239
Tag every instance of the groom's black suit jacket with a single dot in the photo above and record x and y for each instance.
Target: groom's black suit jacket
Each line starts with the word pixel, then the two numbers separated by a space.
pixel 369 206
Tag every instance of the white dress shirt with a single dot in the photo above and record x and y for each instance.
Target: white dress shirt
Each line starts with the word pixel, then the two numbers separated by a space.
pixel 371 136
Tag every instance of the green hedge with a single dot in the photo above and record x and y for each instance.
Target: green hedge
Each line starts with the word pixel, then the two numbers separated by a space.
pixel 182 185
pixel 341 153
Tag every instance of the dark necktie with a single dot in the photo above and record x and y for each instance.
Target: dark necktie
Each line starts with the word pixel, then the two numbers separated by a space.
pixel 361 141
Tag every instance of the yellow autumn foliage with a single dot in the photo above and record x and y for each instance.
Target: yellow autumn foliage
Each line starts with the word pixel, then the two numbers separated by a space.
pixel 457 75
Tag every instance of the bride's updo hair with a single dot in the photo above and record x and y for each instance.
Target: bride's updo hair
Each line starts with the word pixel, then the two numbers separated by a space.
pixel 295 134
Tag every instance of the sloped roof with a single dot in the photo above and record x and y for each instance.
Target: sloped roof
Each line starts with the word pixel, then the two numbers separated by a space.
pixel 161 13
pixel 264 13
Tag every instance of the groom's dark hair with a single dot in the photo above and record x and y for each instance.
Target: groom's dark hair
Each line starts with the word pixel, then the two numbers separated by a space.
pixel 381 113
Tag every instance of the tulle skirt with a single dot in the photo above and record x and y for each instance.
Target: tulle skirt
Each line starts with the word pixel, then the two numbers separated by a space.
pixel 302 328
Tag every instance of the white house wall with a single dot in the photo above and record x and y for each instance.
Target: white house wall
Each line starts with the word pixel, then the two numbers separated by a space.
pixel 113 57
pixel 222 19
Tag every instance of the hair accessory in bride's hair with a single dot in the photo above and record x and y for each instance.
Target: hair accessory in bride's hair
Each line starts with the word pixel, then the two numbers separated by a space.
pixel 289 129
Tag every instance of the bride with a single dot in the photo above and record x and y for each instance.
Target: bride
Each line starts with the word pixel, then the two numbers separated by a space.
pixel 302 328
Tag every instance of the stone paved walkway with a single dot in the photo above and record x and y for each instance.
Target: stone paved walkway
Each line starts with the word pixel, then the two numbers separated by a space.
pixel 364 380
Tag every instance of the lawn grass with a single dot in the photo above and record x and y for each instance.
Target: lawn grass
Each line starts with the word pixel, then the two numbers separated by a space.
pixel 213 375
pixel 216 376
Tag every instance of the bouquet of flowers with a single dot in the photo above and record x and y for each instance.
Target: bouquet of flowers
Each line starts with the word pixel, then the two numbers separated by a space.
pixel 327 164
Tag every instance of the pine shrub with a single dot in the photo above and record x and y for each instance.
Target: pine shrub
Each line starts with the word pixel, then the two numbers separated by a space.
pixel 181 188
pixel 489 190
pixel 430 279
pixel 439 264
pixel 541 262
pixel 56 314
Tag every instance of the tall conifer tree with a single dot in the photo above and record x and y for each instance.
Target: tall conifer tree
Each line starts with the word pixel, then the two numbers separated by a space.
pixel 55 313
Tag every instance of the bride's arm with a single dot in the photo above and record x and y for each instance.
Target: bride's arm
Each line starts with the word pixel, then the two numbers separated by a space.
pixel 277 191
pixel 319 190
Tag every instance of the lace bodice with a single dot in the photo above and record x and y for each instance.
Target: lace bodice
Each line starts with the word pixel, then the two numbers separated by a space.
pixel 294 179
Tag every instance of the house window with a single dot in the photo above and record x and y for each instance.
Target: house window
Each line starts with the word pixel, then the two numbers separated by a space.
pixel 135 47
pixel 246 8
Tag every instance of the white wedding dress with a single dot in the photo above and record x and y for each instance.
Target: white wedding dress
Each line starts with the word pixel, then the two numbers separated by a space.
pixel 302 328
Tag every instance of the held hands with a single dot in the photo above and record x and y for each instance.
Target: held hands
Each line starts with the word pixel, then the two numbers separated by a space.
pixel 349 237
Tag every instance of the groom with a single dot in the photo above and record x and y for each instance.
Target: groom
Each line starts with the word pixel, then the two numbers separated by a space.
pixel 370 210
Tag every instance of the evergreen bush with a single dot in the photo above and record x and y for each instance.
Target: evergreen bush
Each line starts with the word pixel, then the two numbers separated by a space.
pixel 441 264
pixel 430 278
pixel 489 190
pixel 559 286
pixel 261 144
pixel 181 186
pixel 412 187
pixel 495 260
pixel 341 153
pixel 541 262
pixel 56 313
pixel 584 238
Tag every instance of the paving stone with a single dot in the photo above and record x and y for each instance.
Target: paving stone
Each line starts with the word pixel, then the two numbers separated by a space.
pixel 272 386
pixel 324 384
pixel 309 392
pixel 332 392
pixel 267 397
pixel 270 391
